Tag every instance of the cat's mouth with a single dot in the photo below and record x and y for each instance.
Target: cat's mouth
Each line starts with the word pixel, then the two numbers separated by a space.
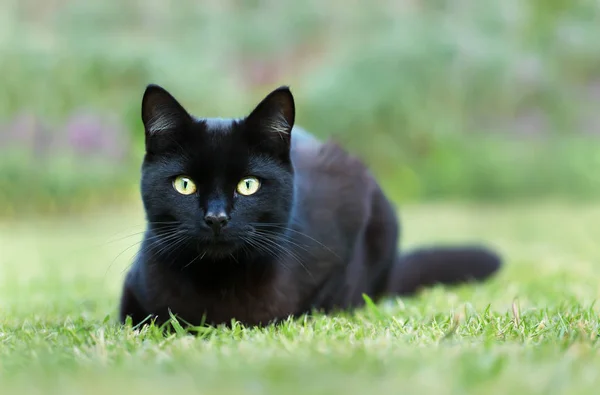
pixel 218 245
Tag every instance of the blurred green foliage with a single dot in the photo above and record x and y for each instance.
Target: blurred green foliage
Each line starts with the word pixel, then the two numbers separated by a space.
pixel 466 99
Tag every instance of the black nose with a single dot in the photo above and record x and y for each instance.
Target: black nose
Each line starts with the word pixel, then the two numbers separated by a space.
pixel 216 221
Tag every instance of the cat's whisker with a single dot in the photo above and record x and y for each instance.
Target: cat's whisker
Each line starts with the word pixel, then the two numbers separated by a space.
pixel 284 237
pixel 276 242
pixel 254 244
pixel 261 247
pixel 201 256
pixel 171 228
pixel 173 245
pixel 144 225
pixel 281 248
pixel 167 236
pixel 287 228
pixel 153 240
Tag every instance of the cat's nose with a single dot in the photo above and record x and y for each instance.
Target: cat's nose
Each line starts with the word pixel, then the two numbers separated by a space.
pixel 216 221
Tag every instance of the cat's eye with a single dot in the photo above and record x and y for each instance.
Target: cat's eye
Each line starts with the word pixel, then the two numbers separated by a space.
pixel 248 186
pixel 184 185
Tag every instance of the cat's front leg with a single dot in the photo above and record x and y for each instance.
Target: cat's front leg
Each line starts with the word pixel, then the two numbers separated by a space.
pixel 131 307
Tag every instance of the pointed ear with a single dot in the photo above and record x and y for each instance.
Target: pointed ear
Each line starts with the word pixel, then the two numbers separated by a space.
pixel 161 112
pixel 272 120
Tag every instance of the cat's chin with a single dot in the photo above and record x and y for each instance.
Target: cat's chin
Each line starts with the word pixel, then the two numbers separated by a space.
pixel 219 249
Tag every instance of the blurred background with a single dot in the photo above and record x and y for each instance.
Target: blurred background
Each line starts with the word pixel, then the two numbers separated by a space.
pixel 470 100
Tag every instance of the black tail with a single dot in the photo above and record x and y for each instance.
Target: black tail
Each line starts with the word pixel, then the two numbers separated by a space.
pixel 441 265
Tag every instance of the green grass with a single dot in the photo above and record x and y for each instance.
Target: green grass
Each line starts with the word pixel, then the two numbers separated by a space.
pixel 533 329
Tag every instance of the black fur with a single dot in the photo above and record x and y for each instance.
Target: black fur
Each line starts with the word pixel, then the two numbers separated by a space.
pixel 317 234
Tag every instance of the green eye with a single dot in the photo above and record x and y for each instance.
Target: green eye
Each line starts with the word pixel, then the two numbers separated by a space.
pixel 248 186
pixel 184 185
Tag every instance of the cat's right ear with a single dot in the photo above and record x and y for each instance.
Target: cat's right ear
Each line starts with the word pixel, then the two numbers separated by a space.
pixel 161 112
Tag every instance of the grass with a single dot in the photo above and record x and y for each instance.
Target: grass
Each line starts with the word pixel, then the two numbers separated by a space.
pixel 532 329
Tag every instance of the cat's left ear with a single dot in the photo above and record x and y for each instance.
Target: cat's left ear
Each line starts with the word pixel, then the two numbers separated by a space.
pixel 272 120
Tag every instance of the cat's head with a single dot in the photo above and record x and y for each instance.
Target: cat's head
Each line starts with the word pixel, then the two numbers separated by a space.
pixel 212 184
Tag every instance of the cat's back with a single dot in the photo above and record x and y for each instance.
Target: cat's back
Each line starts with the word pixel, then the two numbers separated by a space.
pixel 332 190
pixel 325 166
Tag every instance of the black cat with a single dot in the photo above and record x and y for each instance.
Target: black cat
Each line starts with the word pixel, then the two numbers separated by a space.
pixel 256 220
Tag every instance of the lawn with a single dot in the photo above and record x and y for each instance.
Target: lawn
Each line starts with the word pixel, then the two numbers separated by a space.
pixel 533 329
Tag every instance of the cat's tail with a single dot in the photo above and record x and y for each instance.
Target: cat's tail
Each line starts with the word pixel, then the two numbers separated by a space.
pixel 441 265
